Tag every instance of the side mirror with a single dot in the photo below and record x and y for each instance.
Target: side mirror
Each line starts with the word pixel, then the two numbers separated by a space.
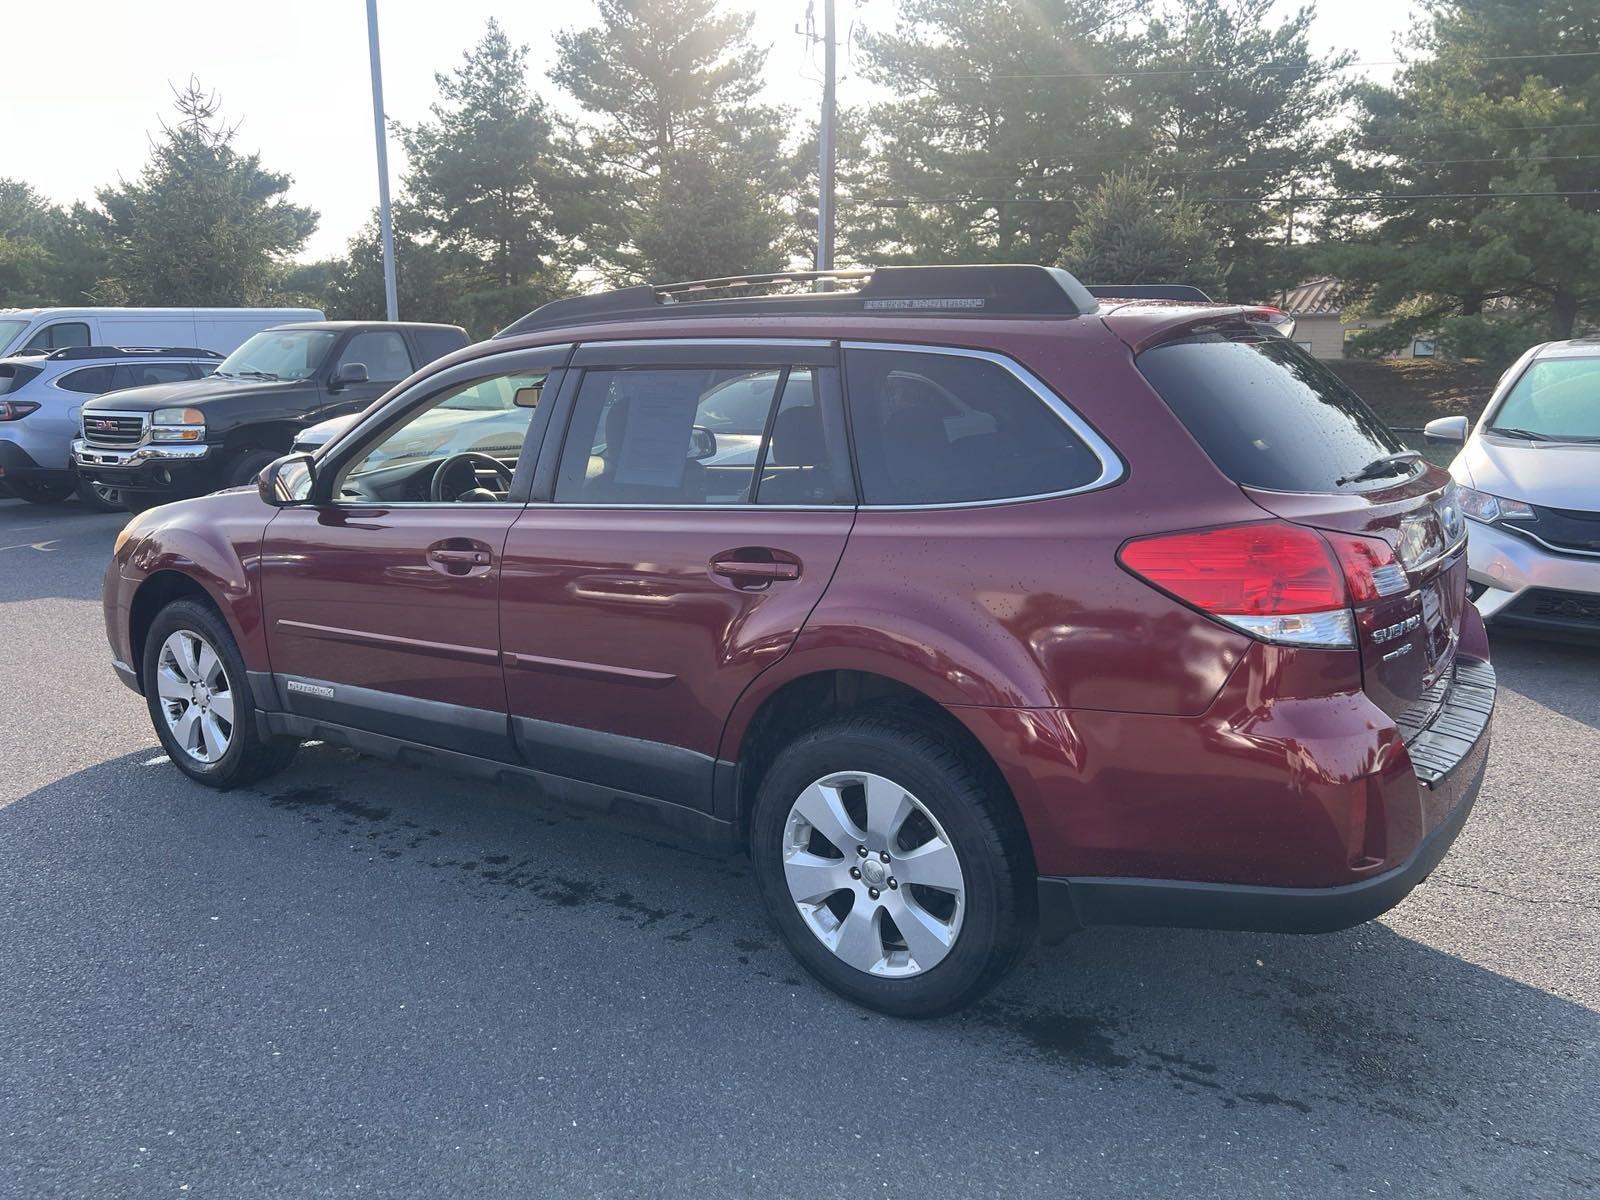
pixel 702 444
pixel 349 373
pixel 287 480
pixel 1446 429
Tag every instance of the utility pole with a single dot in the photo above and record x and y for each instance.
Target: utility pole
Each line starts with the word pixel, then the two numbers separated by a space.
pixel 385 218
pixel 825 218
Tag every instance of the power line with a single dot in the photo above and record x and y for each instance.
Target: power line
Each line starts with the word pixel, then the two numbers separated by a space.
pixel 904 201
pixel 1300 66
pixel 1157 168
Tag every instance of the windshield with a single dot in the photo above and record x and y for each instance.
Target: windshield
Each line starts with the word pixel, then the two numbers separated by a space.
pixel 279 354
pixel 8 333
pixel 1556 398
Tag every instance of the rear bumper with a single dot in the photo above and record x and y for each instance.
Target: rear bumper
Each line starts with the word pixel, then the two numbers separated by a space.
pixel 176 470
pixel 17 463
pixel 1449 758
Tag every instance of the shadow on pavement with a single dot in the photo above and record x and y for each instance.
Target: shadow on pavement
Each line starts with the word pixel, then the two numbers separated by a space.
pixel 345 973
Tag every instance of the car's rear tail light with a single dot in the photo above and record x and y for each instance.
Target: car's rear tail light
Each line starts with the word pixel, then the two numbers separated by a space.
pixel 1273 580
pixel 15 410
pixel 1371 567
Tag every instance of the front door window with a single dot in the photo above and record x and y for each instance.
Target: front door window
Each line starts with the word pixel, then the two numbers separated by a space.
pixel 463 448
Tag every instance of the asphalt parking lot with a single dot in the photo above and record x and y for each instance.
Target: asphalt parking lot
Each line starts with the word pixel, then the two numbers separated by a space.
pixel 371 979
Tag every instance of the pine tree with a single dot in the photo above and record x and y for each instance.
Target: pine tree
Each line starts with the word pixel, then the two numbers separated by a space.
pixel 687 174
pixel 204 224
pixel 1231 108
pixel 1128 232
pixel 489 183
pixel 1498 99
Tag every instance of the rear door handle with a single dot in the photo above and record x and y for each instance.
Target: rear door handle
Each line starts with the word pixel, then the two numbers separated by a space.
pixel 753 572
pixel 474 557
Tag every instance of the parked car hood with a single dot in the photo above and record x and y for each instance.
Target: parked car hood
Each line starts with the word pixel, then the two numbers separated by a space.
pixel 314 437
pixel 1554 474
pixel 187 392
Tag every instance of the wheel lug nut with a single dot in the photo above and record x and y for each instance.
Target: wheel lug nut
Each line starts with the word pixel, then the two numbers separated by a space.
pixel 883 856
pixel 893 883
pixel 855 873
pixel 861 851
pixel 873 892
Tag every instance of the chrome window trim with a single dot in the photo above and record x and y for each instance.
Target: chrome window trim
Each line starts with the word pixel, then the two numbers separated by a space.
pixel 1112 469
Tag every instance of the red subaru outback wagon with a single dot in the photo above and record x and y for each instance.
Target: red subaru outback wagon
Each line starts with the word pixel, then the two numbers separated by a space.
pixel 974 604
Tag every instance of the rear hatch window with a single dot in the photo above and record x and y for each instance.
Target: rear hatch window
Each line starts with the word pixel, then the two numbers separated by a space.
pixel 1268 414
pixel 1293 436
pixel 12 377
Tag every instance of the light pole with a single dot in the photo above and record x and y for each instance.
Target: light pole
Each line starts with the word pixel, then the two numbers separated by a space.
pixel 385 219
pixel 825 167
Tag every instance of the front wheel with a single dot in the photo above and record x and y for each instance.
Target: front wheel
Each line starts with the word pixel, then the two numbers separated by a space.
pixel 200 703
pixel 100 497
pixel 897 870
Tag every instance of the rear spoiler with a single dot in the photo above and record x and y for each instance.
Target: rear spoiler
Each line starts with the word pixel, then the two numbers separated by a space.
pixel 1201 320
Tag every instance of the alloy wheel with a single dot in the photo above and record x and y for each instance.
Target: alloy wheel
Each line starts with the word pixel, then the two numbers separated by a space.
pixel 196 696
pixel 873 874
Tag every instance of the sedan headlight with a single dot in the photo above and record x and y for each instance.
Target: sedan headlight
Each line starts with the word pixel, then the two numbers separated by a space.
pixel 177 425
pixel 1488 508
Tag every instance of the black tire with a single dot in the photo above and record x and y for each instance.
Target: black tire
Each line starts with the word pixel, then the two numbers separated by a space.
pixel 249 757
pixel 242 471
pixel 982 824
pixel 39 493
pixel 99 497
pixel 138 502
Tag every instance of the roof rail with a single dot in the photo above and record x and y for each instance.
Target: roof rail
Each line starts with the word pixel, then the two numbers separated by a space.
pixel 1149 291
pixel 68 353
pixel 987 289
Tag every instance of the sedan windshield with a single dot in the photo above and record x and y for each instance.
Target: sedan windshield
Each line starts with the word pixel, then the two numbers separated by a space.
pixel 279 354
pixel 1557 399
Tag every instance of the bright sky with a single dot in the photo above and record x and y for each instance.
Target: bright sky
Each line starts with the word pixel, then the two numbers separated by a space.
pixel 76 112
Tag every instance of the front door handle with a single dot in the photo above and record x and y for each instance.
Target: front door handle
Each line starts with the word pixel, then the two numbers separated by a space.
pixel 459 557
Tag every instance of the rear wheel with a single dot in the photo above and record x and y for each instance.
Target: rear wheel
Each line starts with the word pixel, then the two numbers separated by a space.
pixel 242 471
pixel 100 497
pixel 199 700
pixel 896 870
pixel 35 492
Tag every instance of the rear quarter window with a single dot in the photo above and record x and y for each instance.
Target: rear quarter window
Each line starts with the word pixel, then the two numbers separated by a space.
pixel 1267 413
pixel 941 428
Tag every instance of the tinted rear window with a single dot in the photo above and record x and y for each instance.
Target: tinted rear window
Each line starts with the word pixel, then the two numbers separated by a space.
pixel 13 378
pixel 934 428
pixel 436 343
pixel 1268 414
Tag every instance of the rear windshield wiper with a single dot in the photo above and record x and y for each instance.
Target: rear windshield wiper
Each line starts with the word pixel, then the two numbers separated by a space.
pixel 1389 464
pixel 1529 434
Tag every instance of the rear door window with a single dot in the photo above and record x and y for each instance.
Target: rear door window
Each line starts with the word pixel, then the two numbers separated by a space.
pixel 436 343
pixel 699 435
pixel 1268 414
pixel 942 428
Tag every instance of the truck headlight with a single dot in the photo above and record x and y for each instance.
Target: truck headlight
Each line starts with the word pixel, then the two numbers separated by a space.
pixel 177 425
pixel 1488 508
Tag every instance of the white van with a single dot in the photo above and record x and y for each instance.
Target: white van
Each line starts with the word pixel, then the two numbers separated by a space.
pixel 39 330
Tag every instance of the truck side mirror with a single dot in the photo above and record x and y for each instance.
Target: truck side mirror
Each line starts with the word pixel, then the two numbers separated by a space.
pixel 1446 429
pixel 287 480
pixel 349 373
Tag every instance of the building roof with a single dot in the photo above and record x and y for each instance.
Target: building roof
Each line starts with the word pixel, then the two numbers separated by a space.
pixel 1314 298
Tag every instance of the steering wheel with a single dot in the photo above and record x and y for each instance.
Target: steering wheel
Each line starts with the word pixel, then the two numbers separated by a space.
pixel 461 475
